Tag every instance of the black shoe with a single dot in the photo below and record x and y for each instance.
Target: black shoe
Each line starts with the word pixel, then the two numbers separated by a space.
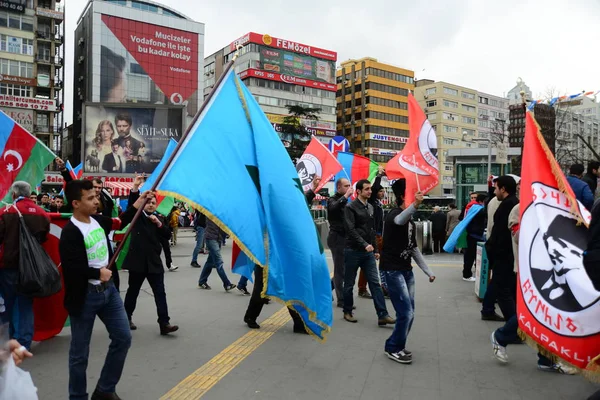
pixel 229 287
pixel 492 317
pixel 243 291
pixel 300 329
pixel 97 395
pixel 132 326
pixel 166 329
pixel 194 264
pixel 365 295
pixel 251 324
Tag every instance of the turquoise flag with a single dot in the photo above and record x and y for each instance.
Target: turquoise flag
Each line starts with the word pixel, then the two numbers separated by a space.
pixel 461 227
pixel 233 167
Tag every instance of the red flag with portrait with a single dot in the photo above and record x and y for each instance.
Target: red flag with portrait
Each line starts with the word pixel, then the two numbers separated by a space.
pixel 317 161
pixel 558 308
pixel 417 162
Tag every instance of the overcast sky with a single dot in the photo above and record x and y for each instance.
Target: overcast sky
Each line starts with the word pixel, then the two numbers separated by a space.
pixel 479 44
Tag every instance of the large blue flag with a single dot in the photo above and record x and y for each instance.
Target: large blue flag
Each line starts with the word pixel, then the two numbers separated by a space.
pixel 233 167
pixel 461 227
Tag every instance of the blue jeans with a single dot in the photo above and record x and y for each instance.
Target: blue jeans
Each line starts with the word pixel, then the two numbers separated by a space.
pixel 401 288
pixel 353 259
pixel 19 309
pixel 199 240
pixel 243 283
pixel 508 334
pixel 108 306
pixel 214 260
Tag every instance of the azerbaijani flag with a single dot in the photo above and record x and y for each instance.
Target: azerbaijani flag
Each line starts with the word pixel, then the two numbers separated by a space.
pixel 356 167
pixel 23 157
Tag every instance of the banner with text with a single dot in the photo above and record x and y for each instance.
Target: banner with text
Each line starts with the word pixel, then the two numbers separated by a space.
pixel 122 139
pixel 293 80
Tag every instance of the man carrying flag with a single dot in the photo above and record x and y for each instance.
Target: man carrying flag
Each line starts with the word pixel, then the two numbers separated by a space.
pixel 417 162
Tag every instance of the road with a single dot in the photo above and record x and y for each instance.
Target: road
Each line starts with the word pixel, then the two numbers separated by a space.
pixel 215 356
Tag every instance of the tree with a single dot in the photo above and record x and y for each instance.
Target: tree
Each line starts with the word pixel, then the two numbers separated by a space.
pixel 294 132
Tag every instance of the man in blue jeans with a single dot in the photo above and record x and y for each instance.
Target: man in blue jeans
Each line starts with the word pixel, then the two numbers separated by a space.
pixel 18 309
pixel 213 243
pixel 361 251
pixel 398 250
pixel 199 227
pixel 90 292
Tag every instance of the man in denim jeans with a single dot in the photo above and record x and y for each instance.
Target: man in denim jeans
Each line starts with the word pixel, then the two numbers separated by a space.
pixel 399 249
pixel 199 227
pixel 361 251
pixel 213 243
pixel 90 292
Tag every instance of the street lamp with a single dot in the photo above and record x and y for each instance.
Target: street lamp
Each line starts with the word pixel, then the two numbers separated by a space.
pixel 489 140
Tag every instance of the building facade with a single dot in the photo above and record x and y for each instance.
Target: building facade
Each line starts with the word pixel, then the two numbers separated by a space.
pixel 577 131
pixel 281 73
pixel 32 67
pixel 452 111
pixel 493 120
pixel 137 80
pixel 372 107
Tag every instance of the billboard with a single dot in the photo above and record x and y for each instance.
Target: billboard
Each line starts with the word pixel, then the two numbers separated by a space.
pixel 293 80
pixel 20 116
pixel 120 139
pixel 283 44
pixel 147 63
pixel 293 64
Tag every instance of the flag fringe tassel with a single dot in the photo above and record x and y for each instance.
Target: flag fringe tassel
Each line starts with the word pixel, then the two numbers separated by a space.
pixel 312 315
pixel 591 372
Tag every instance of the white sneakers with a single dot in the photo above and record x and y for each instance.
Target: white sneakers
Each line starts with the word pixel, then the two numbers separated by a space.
pixel 471 279
pixel 499 351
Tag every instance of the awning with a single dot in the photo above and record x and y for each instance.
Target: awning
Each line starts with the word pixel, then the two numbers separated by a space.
pixel 119 189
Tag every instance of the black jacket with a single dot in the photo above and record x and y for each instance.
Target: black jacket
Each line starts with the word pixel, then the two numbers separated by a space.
pixel 358 223
pixel 591 258
pixel 377 207
pixel 477 226
pixel 145 245
pixel 212 231
pixel 335 213
pixel 76 270
pixel 592 181
pixel 499 244
pixel 398 241
pixel 438 222
pixel 200 220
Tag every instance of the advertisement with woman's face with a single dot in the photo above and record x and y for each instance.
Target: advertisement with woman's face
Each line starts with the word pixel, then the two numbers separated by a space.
pixel 121 139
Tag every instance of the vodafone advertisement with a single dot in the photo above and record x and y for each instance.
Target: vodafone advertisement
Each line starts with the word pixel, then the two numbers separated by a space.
pixel 273 76
pixel 147 63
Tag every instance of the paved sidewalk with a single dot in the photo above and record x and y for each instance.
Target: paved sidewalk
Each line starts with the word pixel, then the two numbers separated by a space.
pixel 452 353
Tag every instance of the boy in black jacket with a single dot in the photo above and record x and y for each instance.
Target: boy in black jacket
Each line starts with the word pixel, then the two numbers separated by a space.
pixel 90 291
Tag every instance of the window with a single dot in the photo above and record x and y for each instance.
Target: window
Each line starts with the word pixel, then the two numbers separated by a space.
pixel 450 117
pixel 42 120
pixel 15 90
pixel 431 116
pixel 468 108
pixel 450 104
pixel 144 6
pixel 483 111
pixel 430 91
pixel 482 123
pixel 469 132
pixel 467 95
pixel 483 100
pixel 468 120
pixel 390 75
pixel 450 129
pixel 16 45
pixel 448 167
pixel 449 142
pixel 386 103
pixel 431 103
pixel 16 21
pixel 385 88
pixel 16 68
pixel 450 91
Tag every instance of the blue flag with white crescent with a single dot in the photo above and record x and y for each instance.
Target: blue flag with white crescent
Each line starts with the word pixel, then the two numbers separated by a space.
pixel 232 144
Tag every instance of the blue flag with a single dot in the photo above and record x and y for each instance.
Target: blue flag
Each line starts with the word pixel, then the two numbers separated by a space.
pixel 233 167
pixel 460 228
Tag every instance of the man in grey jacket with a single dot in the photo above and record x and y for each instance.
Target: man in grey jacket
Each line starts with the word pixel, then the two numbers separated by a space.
pixel 213 237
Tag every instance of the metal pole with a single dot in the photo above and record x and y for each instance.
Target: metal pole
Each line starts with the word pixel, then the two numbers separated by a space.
pixel 489 169
pixel 172 157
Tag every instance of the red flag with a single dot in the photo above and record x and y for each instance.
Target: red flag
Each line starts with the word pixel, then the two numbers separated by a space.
pixel 417 162
pixel 557 305
pixel 317 161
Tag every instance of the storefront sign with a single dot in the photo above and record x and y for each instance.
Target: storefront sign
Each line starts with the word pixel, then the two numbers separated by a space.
pixel 284 45
pixel 383 152
pixel 388 138
pixel 45 12
pixel 293 80
pixel 27 102
pixel 20 116
pixel 12 6
pixel 58 179
pixel 17 80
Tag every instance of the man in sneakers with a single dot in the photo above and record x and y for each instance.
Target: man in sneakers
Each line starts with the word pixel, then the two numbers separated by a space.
pixel 361 251
pixel 213 243
pixel 399 249
pixel 508 334
pixel 90 292
pixel 336 240
pixel 199 227
pixel 143 258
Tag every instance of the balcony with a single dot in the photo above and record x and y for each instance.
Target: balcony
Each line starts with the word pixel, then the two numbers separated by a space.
pixel 43 35
pixel 44 58
pixel 38 128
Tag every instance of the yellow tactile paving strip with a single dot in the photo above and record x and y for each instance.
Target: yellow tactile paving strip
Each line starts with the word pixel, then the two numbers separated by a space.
pixel 204 378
